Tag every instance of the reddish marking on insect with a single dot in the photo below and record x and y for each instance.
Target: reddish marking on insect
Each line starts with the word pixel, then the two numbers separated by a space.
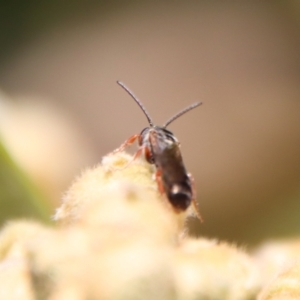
pixel 161 148
pixel 159 181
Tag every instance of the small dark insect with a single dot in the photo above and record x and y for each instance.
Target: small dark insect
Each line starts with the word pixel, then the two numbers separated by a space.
pixel 161 148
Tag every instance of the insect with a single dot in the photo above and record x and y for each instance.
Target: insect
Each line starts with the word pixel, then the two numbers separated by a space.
pixel 161 148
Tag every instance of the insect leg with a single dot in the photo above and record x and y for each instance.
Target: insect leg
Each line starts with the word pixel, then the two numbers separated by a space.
pixel 127 143
pixel 159 182
pixel 194 201
pixel 136 155
pixel 161 188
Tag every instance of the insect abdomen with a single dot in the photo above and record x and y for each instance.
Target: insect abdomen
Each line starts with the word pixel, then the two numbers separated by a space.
pixel 180 201
pixel 175 181
pixel 180 196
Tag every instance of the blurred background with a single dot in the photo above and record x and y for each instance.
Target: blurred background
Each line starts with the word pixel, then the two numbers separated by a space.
pixel 61 109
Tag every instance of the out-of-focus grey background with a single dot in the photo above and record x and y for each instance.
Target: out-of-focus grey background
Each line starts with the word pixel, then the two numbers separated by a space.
pixel 240 58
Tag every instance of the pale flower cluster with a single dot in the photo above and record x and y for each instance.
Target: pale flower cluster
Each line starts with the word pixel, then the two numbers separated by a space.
pixel 118 238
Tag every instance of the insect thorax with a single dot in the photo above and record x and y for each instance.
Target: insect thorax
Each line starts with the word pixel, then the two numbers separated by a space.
pixel 157 140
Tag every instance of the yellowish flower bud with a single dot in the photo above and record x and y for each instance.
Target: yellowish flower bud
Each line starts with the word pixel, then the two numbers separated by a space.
pixel 206 269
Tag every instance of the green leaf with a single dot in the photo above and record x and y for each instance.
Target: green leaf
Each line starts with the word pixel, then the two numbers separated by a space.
pixel 19 197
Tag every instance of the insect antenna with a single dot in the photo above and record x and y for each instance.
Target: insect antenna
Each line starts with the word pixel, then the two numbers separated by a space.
pixel 181 113
pixel 137 101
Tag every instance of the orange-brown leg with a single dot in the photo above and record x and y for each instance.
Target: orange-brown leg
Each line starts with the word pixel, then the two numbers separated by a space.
pixel 127 143
pixel 159 182
pixel 161 188
pixel 136 155
pixel 194 201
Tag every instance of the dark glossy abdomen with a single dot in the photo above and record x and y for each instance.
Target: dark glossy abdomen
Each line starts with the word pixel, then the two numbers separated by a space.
pixel 175 180
pixel 180 200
